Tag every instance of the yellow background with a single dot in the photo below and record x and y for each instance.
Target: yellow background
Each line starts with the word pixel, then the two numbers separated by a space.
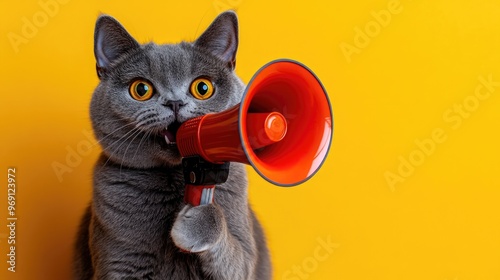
pixel 441 223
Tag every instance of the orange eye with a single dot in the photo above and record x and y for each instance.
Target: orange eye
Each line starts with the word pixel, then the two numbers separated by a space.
pixel 141 90
pixel 202 88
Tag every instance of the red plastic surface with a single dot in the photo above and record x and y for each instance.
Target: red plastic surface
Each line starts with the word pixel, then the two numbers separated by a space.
pixel 199 194
pixel 265 128
pixel 293 90
pixel 216 138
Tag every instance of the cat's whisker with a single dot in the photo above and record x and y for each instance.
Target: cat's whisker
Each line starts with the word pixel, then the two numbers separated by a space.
pixel 126 149
pixel 149 121
pixel 114 120
pixel 122 139
pixel 111 134
pixel 145 115
pixel 146 135
pixel 119 120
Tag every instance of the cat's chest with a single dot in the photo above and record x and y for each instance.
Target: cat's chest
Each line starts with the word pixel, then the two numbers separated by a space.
pixel 142 204
pixel 152 191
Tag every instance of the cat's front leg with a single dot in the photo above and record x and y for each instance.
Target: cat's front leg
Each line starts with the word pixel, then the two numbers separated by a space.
pixel 199 228
pixel 203 230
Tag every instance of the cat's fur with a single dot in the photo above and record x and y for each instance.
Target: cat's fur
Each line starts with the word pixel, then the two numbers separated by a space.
pixel 137 225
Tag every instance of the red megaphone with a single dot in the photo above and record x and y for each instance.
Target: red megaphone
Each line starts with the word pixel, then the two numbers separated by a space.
pixel 282 127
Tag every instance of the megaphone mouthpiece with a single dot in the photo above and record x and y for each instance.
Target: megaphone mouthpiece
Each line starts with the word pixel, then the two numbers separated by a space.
pixel 196 136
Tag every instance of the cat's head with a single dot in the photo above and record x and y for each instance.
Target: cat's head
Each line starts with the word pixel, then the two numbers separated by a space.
pixel 147 91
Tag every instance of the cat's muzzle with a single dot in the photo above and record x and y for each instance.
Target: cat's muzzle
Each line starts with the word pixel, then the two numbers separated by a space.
pixel 170 133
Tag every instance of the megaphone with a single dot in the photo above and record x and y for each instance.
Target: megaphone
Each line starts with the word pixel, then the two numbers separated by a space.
pixel 283 128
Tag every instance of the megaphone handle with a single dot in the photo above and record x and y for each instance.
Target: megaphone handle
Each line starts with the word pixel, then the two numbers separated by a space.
pixel 200 177
pixel 199 194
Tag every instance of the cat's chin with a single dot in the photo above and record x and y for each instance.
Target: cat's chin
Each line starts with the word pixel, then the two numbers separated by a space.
pixel 168 153
pixel 170 156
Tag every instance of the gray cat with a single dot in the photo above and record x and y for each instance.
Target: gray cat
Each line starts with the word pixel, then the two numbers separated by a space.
pixel 137 225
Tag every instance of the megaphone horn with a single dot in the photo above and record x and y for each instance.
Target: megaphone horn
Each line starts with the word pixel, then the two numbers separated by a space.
pixel 283 127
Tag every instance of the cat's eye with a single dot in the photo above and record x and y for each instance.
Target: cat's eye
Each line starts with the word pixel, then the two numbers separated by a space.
pixel 202 88
pixel 141 90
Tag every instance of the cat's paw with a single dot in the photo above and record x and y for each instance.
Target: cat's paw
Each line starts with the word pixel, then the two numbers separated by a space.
pixel 198 228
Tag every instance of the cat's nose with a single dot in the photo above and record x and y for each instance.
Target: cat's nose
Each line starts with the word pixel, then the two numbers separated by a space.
pixel 175 105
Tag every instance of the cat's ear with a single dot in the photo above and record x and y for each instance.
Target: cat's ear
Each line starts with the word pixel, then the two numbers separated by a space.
pixel 111 41
pixel 221 38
